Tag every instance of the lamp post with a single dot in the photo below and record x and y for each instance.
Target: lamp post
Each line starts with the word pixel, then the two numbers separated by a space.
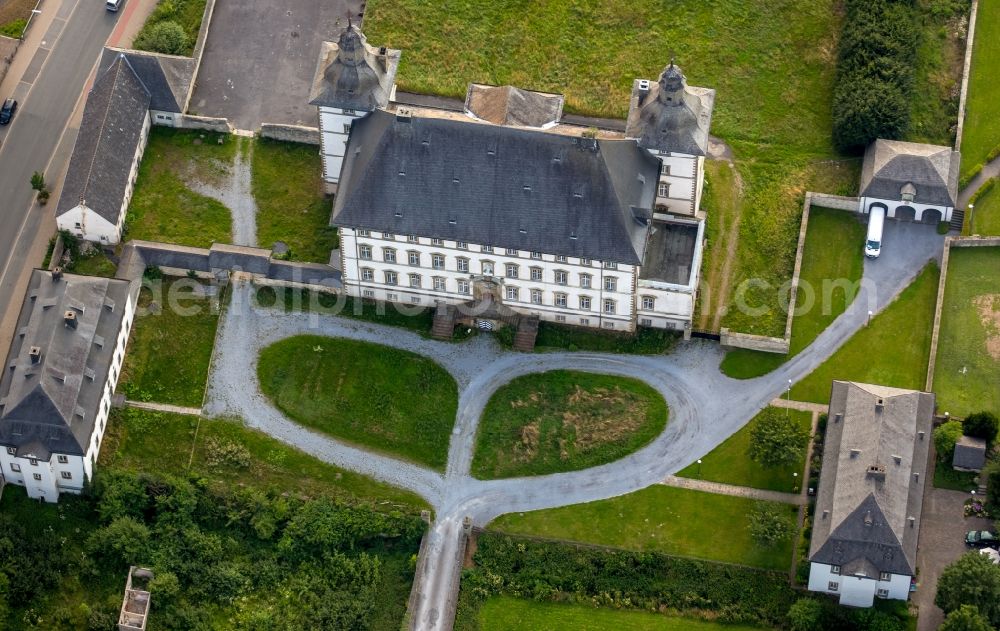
pixel 795 480
pixel 972 226
pixel 869 321
pixel 699 468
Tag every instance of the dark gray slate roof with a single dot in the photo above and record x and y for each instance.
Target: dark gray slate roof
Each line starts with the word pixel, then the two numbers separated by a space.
pixel 891 165
pixel 51 406
pixel 167 78
pixel 351 74
pixel 669 115
pixel 872 479
pixel 109 136
pixel 970 453
pixel 500 186
pixel 507 105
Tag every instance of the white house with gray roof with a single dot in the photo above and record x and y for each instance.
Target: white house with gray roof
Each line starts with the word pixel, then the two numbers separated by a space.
pixel 867 517
pixel 910 181
pixel 105 161
pixel 62 369
pixel 671 120
pixel 352 79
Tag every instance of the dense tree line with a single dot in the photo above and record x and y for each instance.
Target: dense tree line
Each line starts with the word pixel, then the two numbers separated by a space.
pixel 260 561
pixel 875 72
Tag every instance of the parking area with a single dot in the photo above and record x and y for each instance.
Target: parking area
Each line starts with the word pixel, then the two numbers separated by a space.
pixel 260 57
pixel 941 542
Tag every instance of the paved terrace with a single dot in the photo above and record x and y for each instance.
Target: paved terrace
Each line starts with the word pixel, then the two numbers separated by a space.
pixel 706 407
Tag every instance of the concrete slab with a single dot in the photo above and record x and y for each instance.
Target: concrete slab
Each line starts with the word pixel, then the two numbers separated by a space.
pixel 260 58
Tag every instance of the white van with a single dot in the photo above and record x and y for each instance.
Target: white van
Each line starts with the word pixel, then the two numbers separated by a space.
pixel 873 242
pixel 113 5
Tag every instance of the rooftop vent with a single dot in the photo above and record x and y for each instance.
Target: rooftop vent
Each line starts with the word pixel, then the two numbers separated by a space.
pixel 491 152
pixel 69 318
pixel 57 274
pixel 523 230
pixel 826 514
pixel 916 477
pixel 452 222
pixel 897 458
pixel 921 435
pixel 912 520
pixel 35 353
pixel 855 453
pixel 403 115
pixel 527 188
pixel 879 405
pixel 868 519
pixel 838 418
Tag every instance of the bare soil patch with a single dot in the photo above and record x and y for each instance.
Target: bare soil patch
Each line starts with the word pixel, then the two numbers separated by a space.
pixel 988 308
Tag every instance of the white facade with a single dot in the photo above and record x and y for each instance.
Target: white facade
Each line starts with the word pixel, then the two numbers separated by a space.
pixel 901 209
pixel 335 127
pixel 86 223
pixel 682 178
pixel 570 290
pixel 668 305
pixel 857 591
pixel 63 473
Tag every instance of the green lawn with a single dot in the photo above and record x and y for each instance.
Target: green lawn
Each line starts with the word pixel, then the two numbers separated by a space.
pixel 832 265
pixel 722 204
pixel 967 370
pixel 380 397
pixel 171 345
pixel 287 180
pixel 666 519
pixel 95 264
pixel 730 463
pixel 892 351
pixel 982 121
pixel 564 421
pixel 502 613
pixel 163 208
pixel 985 219
pixel 159 443
pixel 946 477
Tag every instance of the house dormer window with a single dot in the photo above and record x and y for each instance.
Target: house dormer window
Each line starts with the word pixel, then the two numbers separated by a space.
pixel 908 192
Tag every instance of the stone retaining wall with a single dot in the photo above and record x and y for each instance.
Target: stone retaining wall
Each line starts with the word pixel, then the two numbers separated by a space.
pixel 290 133
pixel 949 243
pixel 207 123
pixel 731 340
pixel 966 67
pixel 837 202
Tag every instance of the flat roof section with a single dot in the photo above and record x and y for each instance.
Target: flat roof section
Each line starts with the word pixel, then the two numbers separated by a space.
pixel 670 252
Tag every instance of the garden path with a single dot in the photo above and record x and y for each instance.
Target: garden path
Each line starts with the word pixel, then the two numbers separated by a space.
pixel 736 491
pixel 706 407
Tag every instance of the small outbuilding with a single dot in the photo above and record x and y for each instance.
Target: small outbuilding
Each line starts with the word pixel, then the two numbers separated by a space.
pixel 970 454
pixel 910 181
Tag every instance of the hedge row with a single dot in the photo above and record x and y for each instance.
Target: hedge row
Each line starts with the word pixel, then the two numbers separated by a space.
pixel 878 50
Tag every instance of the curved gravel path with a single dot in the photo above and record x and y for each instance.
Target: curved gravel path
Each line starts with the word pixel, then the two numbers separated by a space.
pixel 706 407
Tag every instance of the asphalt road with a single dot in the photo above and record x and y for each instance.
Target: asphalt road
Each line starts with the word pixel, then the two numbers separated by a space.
pixel 47 96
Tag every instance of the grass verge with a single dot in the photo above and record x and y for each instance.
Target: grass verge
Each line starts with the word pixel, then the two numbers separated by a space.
pixel 985 216
pixel 163 207
pixel 730 462
pixel 832 265
pixel 564 420
pixel 982 122
pixel 171 344
pixel 660 518
pixel 503 613
pixel 377 396
pixel 227 453
pixel 721 202
pixel 892 351
pixel 967 369
pixel 287 181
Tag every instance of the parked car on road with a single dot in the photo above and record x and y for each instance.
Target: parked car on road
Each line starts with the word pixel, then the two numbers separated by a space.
pixel 982 539
pixel 7 111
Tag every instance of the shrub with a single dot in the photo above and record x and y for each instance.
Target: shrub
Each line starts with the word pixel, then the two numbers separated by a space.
pixel 768 526
pixel 776 440
pixel 37 181
pixel 986 187
pixel 945 438
pixel 14 29
pixel 969 176
pixel 226 453
pixel 983 425
pixel 865 109
pixel 805 615
pixel 166 37
pixel 965 618
pixel 125 541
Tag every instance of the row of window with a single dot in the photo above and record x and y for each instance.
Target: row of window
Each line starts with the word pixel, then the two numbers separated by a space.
pixel 834 586
pixel 488 268
pixel 883 576
pixel 34 462
pixel 486 249
pixel 16 468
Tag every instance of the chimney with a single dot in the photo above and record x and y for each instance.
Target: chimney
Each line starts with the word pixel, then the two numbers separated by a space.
pixel 403 115
pixel 56 274
pixel 35 353
pixel 879 406
pixel 69 318
pixel 912 520
pixel 838 417
pixel 643 90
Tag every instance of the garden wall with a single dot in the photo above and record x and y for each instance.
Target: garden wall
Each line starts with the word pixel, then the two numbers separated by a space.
pixel 207 123
pixel 730 339
pixel 966 67
pixel 949 243
pixel 8 48
pixel 199 49
pixel 290 133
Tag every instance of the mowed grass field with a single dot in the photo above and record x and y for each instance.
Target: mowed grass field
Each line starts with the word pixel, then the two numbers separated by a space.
pixel 287 182
pixel 383 398
pixel 564 420
pixel 171 344
pixel 517 614
pixel 892 351
pixel 227 453
pixel 730 462
pixel 832 265
pixel 982 122
pixel 985 218
pixel 163 207
pixel 674 521
pixel 967 370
